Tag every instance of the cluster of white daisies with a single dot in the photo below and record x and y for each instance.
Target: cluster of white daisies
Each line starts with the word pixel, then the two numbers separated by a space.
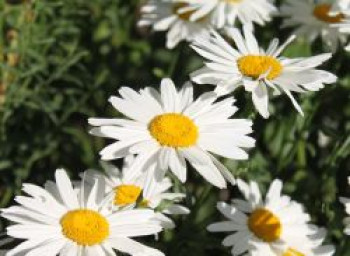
pixel 163 130
pixel 187 19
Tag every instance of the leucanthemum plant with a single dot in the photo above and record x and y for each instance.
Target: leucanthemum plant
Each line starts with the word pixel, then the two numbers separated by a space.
pixel 256 69
pixel 317 19
pixel 170 127
pixel 140 192
pixel 272 225
pixel 164 15
pixel 223 13
pixel 76 221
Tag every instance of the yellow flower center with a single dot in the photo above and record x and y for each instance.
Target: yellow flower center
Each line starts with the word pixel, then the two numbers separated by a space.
pixel 292 252
pixel 185 15
pixel 265 225
pixel 174 130
pixel 126 194
pixel 321 12
pixel 255 66
pixel 85 227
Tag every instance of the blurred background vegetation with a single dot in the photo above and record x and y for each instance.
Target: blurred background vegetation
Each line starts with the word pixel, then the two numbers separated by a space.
pixel 60 60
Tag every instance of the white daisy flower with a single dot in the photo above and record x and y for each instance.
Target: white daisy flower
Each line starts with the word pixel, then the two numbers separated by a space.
pixel 345 28
pixel 273 224
pixel 346 202
pixel 225 12
pixel 155 196
pixel 344 25
pixel 170 127
pixel 310 245
pixel 144 191
pixel 317 19
pixel 61 220
pixel 257 69
pixel 122 179
pixel 163 15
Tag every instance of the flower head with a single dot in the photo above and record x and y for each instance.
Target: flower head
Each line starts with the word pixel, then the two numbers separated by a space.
pixel 165 15
pixel 170 127
pixel 273 224
pixel 226 12
pixel 141 192
pixel 64 220
pixel 256 69
pixel 317 19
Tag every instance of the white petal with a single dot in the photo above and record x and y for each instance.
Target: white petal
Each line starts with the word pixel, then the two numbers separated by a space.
pixel 130 217
pixel 261 100
pixel 224 171
pixel 274 190
pixel 150 183
pixel 132 247
pixel 225 226
pixel 26 245
pixel 135 230
pixel 169 95
pixel 65 189
pixel 70 249
pixel 225 148
pixel 177 209
pixel 49 248
pixel 232 213
pixel 164 24
pixel 233 239
pixel 250 39
pixel 164 221
pixel 295 103
pixel 204 166
pixel 96 194
pixel 177 165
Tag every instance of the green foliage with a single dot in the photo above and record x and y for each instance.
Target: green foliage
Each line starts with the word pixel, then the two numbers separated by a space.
pixel 60 60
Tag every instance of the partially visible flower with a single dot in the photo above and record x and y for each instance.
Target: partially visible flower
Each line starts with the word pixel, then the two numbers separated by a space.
pixel 163 15
pixel 344 25
pixel 346 202
pixel 145 191
pixel 345 28
pixel 273 224
pixel 68 221
pixel 256 69
pixel 170 127
pixel 314 19
pixel 226 12
pixel 310 245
